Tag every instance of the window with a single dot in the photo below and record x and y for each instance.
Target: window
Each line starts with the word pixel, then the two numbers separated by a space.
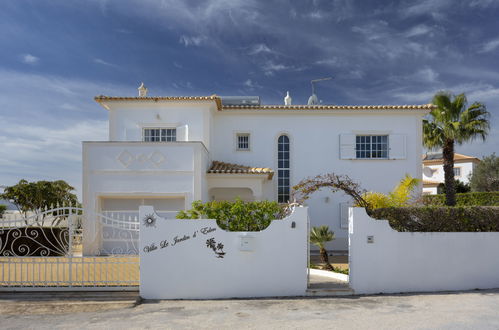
pixel 243 141
pixel 371 146
pixel 457 171
pixel 283 169
pixel 160 134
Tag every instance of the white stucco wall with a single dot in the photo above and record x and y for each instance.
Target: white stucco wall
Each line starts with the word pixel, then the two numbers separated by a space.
pixel 269 263
pixel 418 262
pixel 129 169
pixel 315 149
pixel 438 172
pixel 127 119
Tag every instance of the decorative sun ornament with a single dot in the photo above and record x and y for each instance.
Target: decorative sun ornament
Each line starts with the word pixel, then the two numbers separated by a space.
pixel 149 221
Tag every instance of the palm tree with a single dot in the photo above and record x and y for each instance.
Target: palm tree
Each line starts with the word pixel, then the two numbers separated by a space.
pixel 451 122
pixel 320 236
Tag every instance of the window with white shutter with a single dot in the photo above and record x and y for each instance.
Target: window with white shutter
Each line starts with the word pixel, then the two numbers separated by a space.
pixel 347 146
pixel 397 146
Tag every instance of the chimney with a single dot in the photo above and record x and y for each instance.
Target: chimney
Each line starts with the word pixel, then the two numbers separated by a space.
pixel 287 99
pixel 142 90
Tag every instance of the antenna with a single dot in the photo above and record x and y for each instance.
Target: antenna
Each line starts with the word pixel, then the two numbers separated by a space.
pixel 312 100
pixel 317 80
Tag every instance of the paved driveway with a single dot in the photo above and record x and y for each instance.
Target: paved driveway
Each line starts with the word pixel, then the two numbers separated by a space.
pixel 466 310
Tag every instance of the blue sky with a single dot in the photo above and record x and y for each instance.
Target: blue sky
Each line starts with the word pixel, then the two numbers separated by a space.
pixel 57 55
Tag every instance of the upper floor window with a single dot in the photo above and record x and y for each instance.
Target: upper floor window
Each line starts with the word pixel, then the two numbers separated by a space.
pixel 457 171
pixel 243 141
pixel 160 134
pixel 371 146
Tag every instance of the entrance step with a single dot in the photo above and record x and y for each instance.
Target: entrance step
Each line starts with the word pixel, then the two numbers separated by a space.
pixel 326 283
pixel 329 292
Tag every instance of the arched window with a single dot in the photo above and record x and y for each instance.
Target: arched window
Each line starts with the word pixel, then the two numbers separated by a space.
pixel 283 169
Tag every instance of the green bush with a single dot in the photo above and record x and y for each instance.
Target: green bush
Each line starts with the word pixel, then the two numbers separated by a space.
pixel 441 219
pixel 2 209
pixel 467 199
pixel 235 216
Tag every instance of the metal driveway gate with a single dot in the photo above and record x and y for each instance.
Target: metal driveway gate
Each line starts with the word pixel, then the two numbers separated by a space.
pixel 43 251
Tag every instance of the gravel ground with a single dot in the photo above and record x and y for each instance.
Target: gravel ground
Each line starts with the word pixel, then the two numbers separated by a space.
pixel 462 310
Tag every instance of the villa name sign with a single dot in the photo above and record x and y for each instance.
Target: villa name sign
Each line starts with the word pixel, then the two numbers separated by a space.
pixel 195 259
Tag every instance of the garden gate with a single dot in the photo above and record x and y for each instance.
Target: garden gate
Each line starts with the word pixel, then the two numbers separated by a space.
pixel 43 251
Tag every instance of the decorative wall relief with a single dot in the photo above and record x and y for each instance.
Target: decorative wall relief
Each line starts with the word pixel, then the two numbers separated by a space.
pixel 126 158
pixel 217 248
pixel 149 220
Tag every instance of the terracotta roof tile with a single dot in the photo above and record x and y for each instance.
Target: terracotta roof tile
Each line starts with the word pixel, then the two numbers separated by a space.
pixel 220 107
pixel 438 158
pixel 228 168
pixel 328 107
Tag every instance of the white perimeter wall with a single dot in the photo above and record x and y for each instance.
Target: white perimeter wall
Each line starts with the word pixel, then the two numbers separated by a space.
pixel 418 262
pixel 273 262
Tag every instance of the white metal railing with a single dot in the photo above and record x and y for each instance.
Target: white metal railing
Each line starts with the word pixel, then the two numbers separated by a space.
pixel 44 252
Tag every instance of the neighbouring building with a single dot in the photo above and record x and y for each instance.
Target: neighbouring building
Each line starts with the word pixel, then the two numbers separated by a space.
pixel 170 151
pixel 433 170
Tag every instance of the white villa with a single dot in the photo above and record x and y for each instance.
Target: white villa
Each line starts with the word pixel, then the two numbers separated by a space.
pixel 170 151
pixel 433 170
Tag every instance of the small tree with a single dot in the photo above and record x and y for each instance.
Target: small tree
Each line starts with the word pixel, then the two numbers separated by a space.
pixel 320 236
pixel 35 196
pixel 485 176
pixel 400 196
pixel 459 186
pixel 2 209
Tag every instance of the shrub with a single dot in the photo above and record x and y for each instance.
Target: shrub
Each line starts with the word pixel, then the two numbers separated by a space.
pixel 440 219
pixel 235 216
pixel 400 196
pixel 2 209
pixel 467 199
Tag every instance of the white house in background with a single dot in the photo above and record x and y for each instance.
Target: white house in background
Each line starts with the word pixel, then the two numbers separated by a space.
pixel 433 170
pixel 170 151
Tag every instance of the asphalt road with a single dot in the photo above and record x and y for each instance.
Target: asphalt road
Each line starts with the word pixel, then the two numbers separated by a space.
pixel 464 310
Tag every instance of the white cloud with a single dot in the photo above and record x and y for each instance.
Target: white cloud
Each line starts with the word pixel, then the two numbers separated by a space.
pixel 484 3
pixel 192 41
pixel 30 59
pixel 101 61
pixel 434 8
pixel 427 75
pixel 260 48
pixel 251 85
pixel 418 30
pixel 490 46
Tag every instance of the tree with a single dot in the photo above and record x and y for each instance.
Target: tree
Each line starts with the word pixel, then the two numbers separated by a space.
pixel 320 236
pixel 2 209
pixel 459 187
pixel 485 176
pixel 35 196
pixel 451 122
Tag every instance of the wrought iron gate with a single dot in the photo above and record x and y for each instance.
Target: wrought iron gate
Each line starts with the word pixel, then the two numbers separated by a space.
pixel 43 251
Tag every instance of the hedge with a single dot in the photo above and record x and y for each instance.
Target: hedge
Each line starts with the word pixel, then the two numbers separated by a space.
pixel 441 219
pixel 235 216
pixel 465 199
